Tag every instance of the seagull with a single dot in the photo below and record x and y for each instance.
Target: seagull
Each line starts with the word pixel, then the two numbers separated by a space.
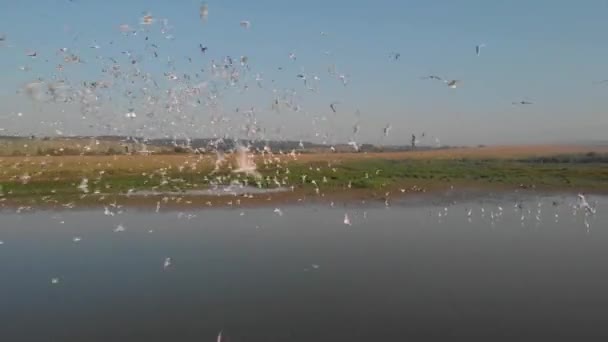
pixel 203 48
pixel 333 106
pixel 219 337
pixel 347 220
pixel 583 204
pixel 395 55
pixel 147 19
pixel 167 263
pixel 452 84
pixel 478 48
pixel 32 54
pixel 523 102
pixel 204 12
pixel 432 77
pixel 292 56
pixel 387 129
pixel 246 24
pixel 302 76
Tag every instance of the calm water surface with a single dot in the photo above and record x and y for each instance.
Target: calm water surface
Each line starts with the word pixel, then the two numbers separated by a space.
pixel 422 269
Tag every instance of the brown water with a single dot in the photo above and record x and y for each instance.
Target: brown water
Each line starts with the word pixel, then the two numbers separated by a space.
pixel 409 272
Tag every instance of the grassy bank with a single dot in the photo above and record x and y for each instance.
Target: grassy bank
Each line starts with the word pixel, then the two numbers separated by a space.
pixel 64 178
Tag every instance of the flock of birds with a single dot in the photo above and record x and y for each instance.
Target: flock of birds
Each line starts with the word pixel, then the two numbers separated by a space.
pixel 127 98
pixel 166 104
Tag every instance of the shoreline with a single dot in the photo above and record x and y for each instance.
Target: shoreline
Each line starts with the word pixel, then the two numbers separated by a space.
pixel 195 181
pixel 301 196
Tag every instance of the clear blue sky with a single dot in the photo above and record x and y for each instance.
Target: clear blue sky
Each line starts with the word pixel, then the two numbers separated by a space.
pixel 547 51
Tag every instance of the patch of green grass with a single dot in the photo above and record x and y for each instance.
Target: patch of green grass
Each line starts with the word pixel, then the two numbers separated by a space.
pixel 373 174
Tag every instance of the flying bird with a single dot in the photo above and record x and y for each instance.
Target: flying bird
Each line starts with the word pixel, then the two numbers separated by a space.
pixel 333 106
pixel 432 77
pixel 203 48
pixel 246 24
pixel 387 129
pixel 204 12
pixel 452 84
pixel 147 19
pixel 478 48
pixel 395 55
pixel 347 220
pixel 523 102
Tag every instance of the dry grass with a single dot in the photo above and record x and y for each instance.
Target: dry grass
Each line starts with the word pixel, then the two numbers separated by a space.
pixel 491 152
pixel 132 164
pixel 59 176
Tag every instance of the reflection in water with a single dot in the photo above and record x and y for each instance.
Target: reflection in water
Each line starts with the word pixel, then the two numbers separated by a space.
pixel 507 268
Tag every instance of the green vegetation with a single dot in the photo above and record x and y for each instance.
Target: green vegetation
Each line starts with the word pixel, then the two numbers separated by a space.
pixel 373 174
pixel 384 173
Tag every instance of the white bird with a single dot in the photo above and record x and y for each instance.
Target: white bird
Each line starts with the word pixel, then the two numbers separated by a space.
pixel 107 212
pixel 347 220
pixel 119 228
pixel 478 48
pixel 453 83
pixel 77 239
pixel 131 114
pixel 246 24
pixel 583 204
pixel 84 185
pixel 387 129
pixel 167 263
pixel 219 337
pixel 54 281
pixel 204 12
pixel 278 211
